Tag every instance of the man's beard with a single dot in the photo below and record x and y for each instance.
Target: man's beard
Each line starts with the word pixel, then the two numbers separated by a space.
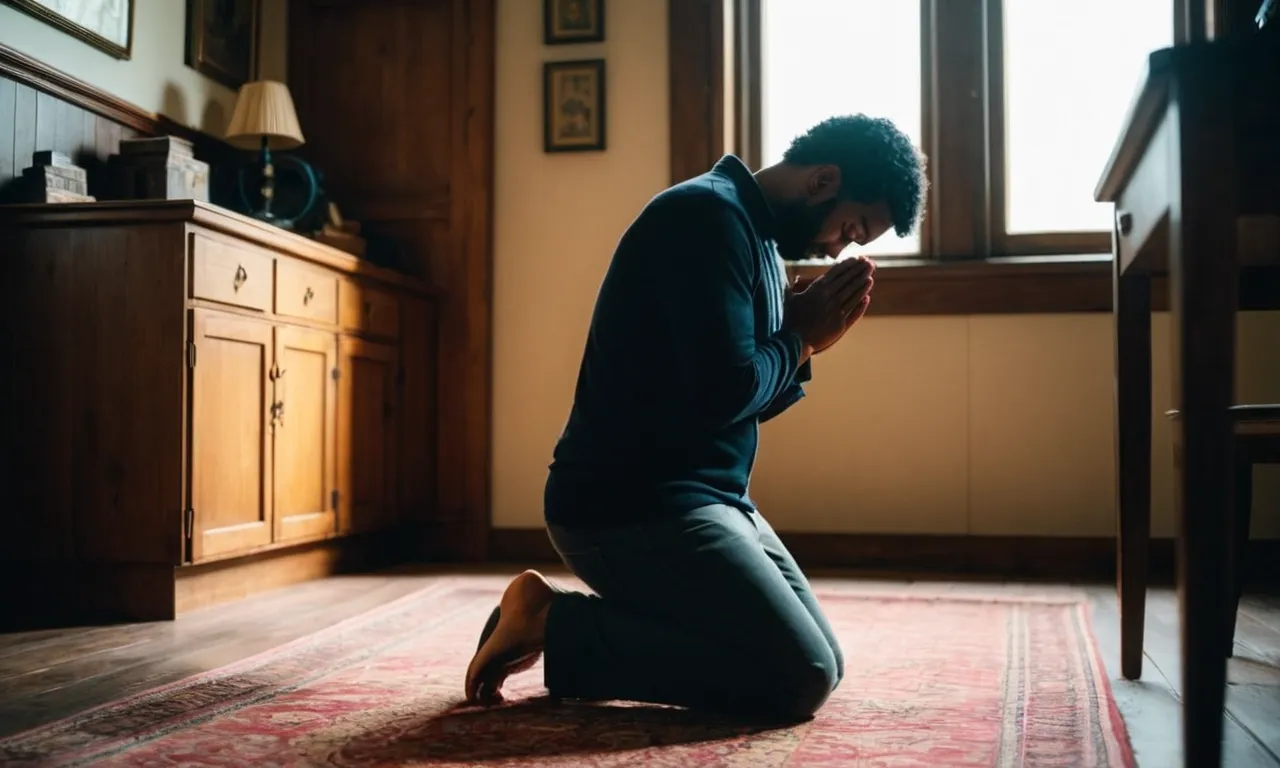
pixel 798 226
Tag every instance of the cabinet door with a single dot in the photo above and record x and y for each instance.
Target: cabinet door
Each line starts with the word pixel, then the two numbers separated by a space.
pixel 366 437
pixel 305 425
pixel 230 434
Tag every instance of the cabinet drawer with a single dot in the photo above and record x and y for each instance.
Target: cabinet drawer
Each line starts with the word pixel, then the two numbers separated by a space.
pixel 231 274
pixel 306 292
pixel 368 310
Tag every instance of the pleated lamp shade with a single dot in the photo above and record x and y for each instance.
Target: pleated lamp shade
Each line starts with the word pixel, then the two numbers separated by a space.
pixel 264 108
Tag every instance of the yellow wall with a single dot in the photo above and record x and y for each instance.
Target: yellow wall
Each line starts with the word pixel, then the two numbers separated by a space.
pixel 156 77
pixel 983 425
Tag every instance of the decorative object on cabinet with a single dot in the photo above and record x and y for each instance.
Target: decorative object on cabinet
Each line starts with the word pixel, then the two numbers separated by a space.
pixel 222 39
pixel 572 21
pixel 105 24
pixel 265 119
pixel 230 395
pixel 573 105
pixel 341 233
pixel 158 168
pixel 53 178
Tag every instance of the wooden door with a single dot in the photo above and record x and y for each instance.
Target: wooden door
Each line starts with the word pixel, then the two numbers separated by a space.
pixel 366 435
pixel 305 375
pixel 231 398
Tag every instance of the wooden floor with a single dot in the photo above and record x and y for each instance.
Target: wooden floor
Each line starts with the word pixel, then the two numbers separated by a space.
pixel 50 674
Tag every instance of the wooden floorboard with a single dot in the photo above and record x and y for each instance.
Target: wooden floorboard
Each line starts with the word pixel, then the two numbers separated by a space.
pixel 50 674
pixel 1152 706
pixel 157 653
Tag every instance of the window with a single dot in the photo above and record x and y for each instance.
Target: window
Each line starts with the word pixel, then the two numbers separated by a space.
pixel 1017 103
pixel 1070 71
pixel 809 50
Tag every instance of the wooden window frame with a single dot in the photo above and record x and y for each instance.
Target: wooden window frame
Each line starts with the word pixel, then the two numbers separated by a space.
pixel 968 263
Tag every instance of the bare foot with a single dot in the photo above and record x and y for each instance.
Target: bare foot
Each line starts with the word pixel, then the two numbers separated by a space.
pixel 516 641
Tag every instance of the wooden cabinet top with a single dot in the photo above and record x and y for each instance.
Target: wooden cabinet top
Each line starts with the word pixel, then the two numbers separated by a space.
pixel 141 212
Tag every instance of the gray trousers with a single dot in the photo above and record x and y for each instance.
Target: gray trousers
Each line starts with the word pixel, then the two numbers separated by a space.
pixel 705 610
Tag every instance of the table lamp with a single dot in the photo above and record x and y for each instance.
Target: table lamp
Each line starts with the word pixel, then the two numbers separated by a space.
pixel 264 118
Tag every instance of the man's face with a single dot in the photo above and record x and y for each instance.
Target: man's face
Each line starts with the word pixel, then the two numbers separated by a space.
pixel 821 224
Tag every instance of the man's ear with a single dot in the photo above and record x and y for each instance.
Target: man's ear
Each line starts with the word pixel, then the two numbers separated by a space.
pixel 823 184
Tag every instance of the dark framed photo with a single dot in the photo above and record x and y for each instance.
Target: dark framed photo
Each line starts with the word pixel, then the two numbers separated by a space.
pixel 572 21
pixel 573 97
pixel 222 40
pixel 105 24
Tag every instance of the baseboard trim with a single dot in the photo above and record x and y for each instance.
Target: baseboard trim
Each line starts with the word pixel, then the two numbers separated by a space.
pixel 88 594
pixel 1081 559
pixel 202 585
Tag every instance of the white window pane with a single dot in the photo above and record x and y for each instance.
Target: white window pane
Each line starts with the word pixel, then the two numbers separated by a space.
pixel 1071 68
pixel 823 58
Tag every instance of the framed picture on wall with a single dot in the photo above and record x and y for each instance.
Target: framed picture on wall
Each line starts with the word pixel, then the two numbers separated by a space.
pixel 572 21
pixel 105 24
pixel 222 40
pixel 573 105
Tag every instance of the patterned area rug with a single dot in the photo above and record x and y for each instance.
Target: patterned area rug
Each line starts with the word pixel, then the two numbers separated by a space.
pixel 941 681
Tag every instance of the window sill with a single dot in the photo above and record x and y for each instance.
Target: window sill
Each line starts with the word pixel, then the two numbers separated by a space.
pixel 1015 285
pixel 1006 285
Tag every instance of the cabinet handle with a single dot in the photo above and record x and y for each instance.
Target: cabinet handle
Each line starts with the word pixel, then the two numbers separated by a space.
pixel 1124 222
pixel 242 277
pixel 308 296
pixel 277 372
pixel 277 413
pixel 368 310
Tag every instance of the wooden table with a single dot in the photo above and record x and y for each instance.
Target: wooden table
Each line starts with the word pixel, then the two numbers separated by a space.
pixel 1195 178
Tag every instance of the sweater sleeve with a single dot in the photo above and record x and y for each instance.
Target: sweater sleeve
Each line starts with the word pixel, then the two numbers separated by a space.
pixel 789 396
pixel 709 304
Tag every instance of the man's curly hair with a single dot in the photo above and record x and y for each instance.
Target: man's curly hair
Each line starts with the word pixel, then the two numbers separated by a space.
pixel 877 163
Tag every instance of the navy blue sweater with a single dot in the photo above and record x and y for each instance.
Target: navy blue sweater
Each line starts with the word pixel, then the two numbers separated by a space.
pixel 684 358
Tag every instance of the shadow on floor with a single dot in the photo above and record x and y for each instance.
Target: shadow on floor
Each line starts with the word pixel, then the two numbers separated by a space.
pixel 533 728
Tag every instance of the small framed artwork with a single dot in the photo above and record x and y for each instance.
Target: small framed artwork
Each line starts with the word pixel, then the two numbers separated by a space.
pixel 222 40
pixel 573 105
pixel 572 21
pixel 105 24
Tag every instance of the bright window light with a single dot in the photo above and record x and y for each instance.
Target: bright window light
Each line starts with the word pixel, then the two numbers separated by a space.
pixel 831 57
pixel 1071 68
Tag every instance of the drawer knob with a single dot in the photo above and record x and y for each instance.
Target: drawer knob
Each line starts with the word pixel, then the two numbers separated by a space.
pixel 308 296
pixel 1124 222
pixel 241 277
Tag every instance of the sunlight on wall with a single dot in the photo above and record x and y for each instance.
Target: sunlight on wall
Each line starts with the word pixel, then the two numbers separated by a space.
pixel 557 218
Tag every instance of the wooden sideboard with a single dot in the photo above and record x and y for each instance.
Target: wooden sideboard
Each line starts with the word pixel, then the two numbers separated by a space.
pixel 199 404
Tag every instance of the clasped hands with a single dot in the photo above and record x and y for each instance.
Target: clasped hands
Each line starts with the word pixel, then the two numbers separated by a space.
pixel 821 310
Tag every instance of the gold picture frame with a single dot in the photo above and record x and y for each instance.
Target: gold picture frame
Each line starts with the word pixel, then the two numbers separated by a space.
pixel 122 17
pixel 222 40
pixel 573 97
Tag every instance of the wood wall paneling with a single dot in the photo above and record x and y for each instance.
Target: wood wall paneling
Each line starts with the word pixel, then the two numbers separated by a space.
pixel 402 125
pixel 697 56
pixel 42 108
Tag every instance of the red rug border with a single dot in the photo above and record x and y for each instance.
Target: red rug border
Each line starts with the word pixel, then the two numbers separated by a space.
pixel 1127 754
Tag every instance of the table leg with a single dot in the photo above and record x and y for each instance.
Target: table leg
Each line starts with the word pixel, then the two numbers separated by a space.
pixel 1131 303
pixel 1237 564
pixel 1203 293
